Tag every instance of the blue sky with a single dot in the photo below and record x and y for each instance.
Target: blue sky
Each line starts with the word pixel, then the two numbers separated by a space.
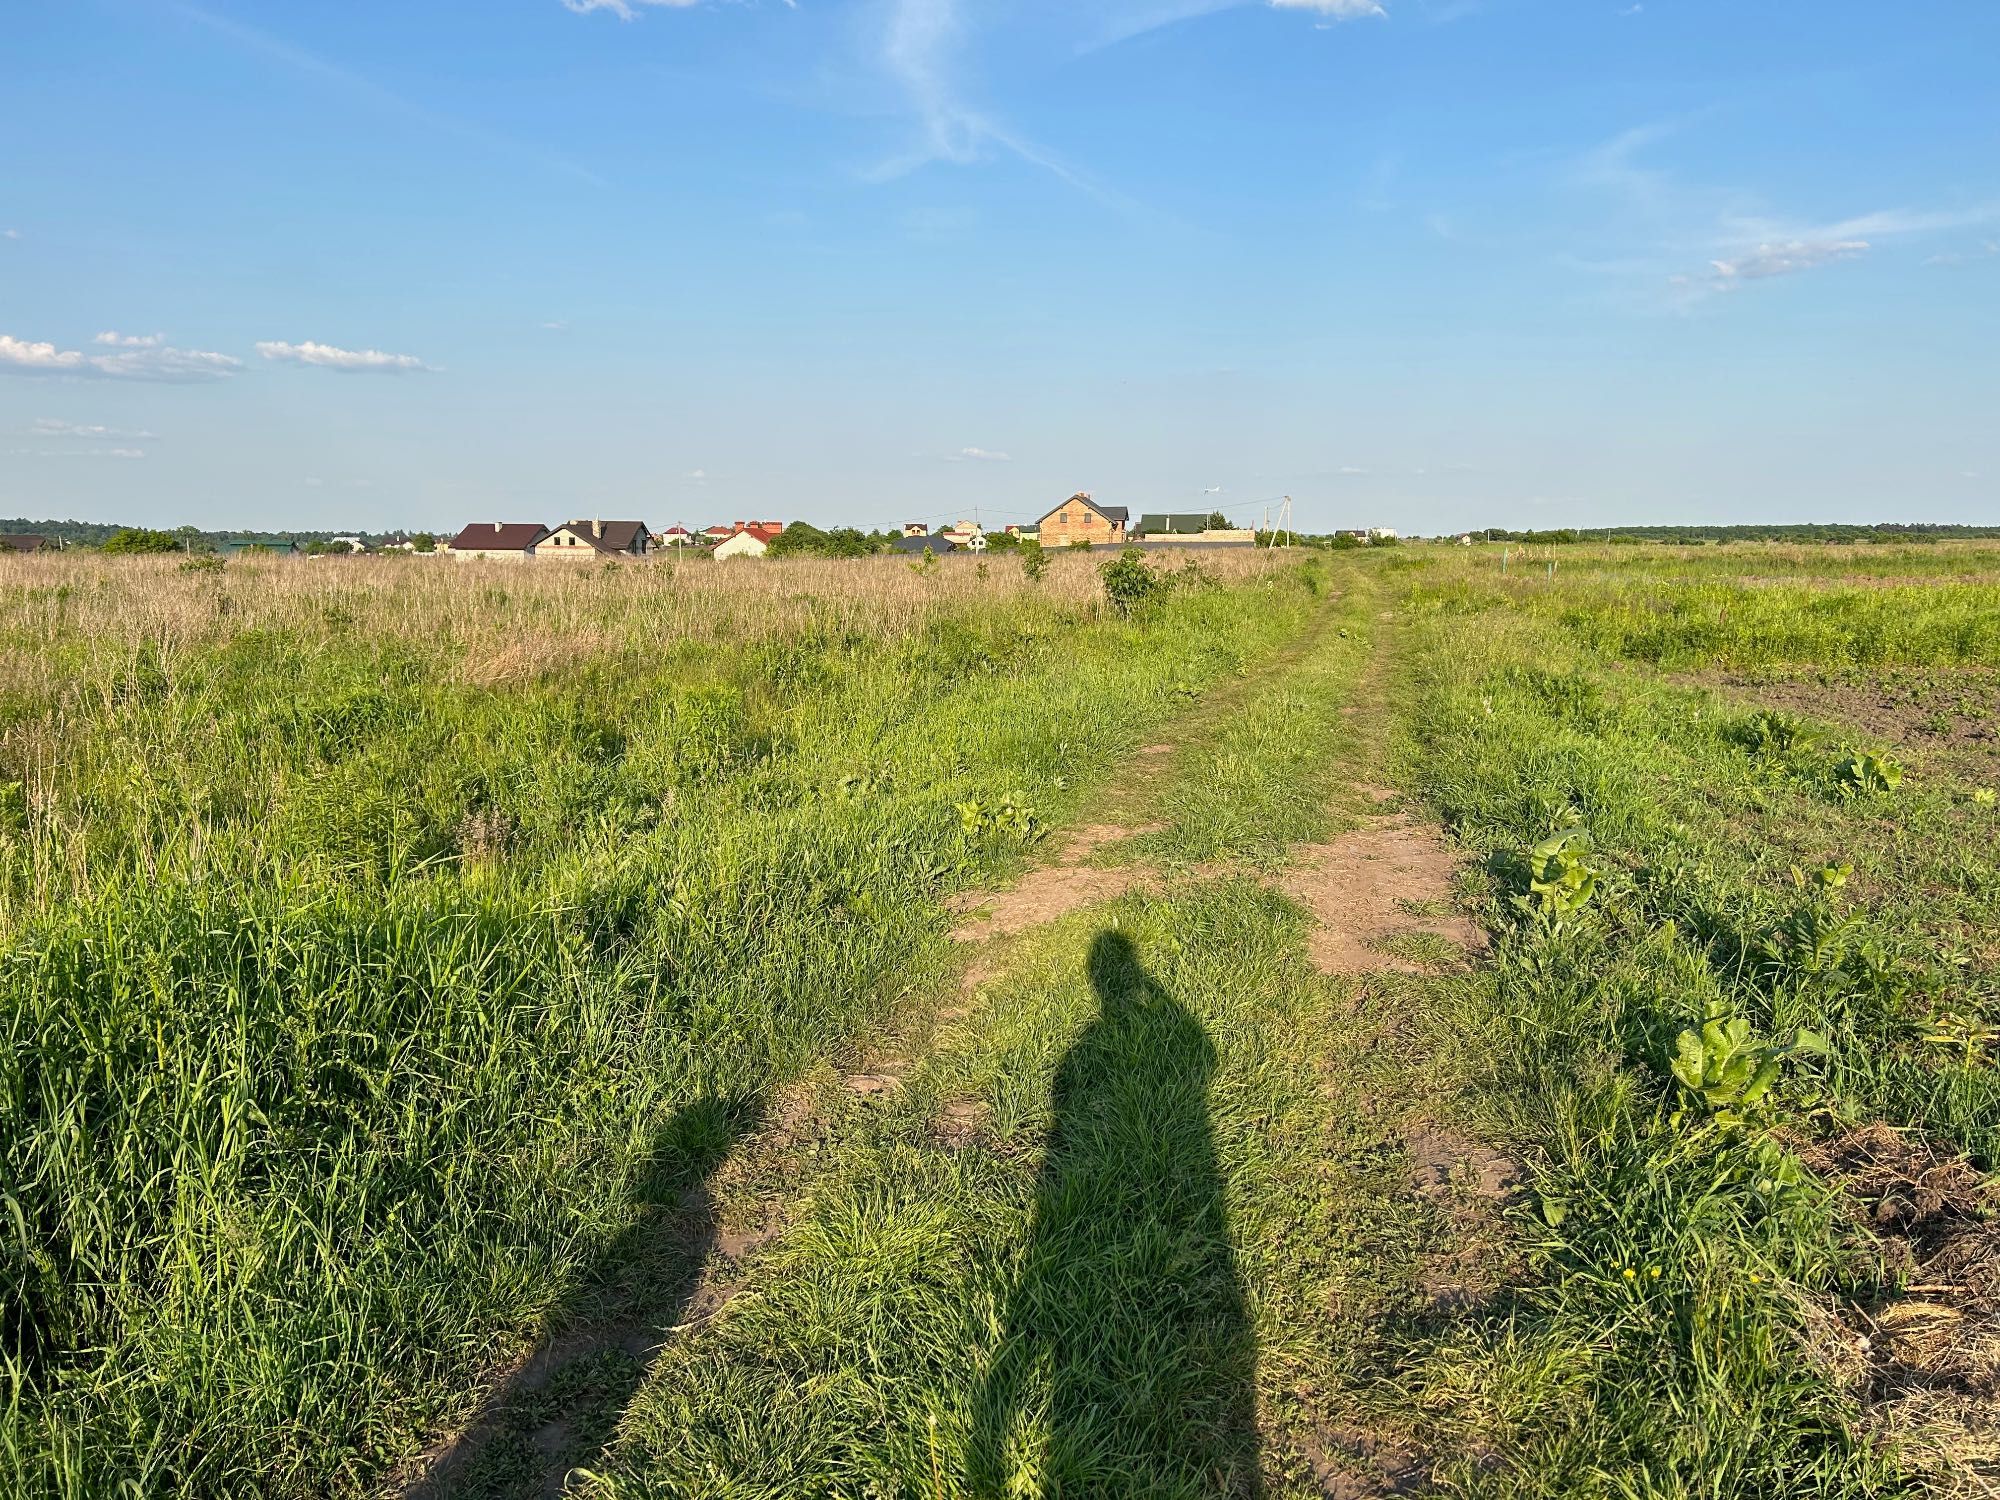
pixel 1425 264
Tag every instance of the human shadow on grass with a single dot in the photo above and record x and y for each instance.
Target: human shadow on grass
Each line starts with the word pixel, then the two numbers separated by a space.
pixel 1127 1362
pixel 557 1412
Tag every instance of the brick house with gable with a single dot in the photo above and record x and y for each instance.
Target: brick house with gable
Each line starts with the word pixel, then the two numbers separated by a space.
pixel 1082 519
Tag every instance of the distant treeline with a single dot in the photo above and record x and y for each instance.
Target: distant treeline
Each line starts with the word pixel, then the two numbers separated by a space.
pixel 189 538
pixel 1887 531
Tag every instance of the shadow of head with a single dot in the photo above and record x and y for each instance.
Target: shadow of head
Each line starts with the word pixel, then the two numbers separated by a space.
pixel 692 1144
pixel 1119 979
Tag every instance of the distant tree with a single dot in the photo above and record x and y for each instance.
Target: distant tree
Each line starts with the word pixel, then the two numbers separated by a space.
pixel 800 539
pixel 1217 521
pixel 1345 542
pixel 137 540
pixel 423 541
pixel 1003 541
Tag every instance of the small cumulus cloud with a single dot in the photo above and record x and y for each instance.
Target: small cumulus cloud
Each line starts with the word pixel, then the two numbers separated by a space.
pixel 1338 10
pixel 77 452
pixel 556 325
pixel 626 10
pixel 979 456
pixel 117 340
pixel 1985 250
pixel 1786 259
pixel 147 358
pixel 55 427
pixel 347 361
pixel 10 234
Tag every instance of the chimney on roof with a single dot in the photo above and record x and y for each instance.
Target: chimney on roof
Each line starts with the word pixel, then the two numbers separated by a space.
pixel 496 525
pixel 597 529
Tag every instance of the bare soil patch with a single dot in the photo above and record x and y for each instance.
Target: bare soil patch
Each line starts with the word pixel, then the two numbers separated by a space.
pixel 1444 1163
pixel 1041 896
pixel 1924 1355
pixel 1354 1463
pixel 1369 885
pixel 1954 716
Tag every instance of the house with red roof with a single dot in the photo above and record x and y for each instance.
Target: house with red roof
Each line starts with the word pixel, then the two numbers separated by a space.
pixel 749 539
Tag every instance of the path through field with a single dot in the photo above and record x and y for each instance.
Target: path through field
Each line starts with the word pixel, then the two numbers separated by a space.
pixel 1121 1212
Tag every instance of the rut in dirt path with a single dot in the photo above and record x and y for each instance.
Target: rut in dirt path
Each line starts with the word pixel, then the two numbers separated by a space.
pixel 686 1257
pixel 1389 878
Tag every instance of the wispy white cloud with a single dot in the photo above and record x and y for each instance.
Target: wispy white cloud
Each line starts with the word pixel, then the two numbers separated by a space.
pixel 127 453
pixel 1786 259
pixel 1339 10
pixel 920 45
pixel 151 359
pixel 53 427
pixel 348 361
pixel 130 340
pixel 1984 250
pixel 1126 21
pixel 625 10
pixel 383 101
pixel 1663 223
pixel 978 455
pixel 10 234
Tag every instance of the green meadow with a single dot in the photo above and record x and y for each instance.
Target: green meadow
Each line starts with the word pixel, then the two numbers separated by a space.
pixel 854 1029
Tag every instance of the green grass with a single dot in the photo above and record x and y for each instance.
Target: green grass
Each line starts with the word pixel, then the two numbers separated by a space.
pixel 381 1003
pixel 348 1003
pixel 1670 1340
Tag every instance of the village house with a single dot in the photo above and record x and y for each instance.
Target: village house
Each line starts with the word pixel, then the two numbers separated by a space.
pixel 25 544
pixel 577 540
pixel 923 542
pixel 749 539
pixel 501 541
pixel 1082 519
pixel 915 528
pixel 676 536
pixel 1187 526
pixel 961 533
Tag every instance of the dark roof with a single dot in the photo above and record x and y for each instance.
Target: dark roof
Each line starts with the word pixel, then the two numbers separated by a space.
pixel 24 543
pixel 619 536
pixel 499 536
pixel 922 544
pixel 1116 513
pixel 268 543
pixel 1175 521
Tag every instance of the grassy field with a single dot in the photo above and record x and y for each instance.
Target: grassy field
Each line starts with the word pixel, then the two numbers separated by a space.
pixel 1501 1021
